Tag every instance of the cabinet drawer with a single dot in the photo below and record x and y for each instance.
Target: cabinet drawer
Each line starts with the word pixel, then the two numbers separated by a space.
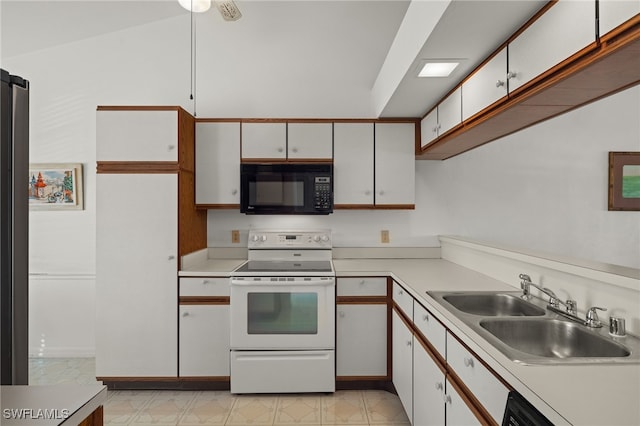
pixel 430 327
pixel 204 286
pixel 371 286
pixel 403 299
pixel 490 391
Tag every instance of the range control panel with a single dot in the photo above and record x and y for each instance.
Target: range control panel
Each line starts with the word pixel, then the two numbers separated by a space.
pixel 269 239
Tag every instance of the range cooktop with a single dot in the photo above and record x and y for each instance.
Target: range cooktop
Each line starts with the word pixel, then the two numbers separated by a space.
pixel 277 267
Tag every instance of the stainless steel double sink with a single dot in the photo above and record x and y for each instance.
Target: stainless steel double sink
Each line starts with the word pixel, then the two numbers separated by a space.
pixel 528 333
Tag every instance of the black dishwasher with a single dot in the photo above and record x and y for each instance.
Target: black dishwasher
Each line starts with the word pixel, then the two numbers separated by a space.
pixel 520 412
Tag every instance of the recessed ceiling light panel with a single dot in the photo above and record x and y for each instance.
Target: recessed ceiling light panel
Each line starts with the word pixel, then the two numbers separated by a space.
pixel 438 68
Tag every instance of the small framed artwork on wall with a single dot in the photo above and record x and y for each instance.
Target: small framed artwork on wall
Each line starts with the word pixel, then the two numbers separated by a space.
pixel 55 186
pixel 624 180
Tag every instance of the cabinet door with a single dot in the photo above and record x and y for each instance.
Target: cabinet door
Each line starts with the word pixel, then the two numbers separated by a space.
pixel 402 363
pixel 395 163
pixel 264 140
pixel 429 128
pixel 491 393
pixel 310 140
pixel 616 12
pixel 456 410
pixel 204 340
pixel 430 327
pixel 361 340
pixel 486 86
pixel 403 299
pixel 450 112
pixel 353 144
pixel 428 389
pixel 137 135
pixel 369 286
pixel 217 163
pixel 563 30
pixel 136 275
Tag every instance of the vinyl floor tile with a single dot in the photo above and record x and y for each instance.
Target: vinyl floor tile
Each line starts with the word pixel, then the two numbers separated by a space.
pixel 220 408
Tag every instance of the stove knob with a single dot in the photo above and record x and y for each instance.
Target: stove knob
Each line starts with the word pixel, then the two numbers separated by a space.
pixel 255 238
pixel 263 238
pixel 316 238
pixel 325 238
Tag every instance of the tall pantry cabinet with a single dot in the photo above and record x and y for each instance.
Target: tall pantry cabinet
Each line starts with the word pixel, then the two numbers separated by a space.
pixel 145 220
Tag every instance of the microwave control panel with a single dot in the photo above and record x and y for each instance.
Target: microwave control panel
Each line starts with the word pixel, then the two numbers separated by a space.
pixel 323 198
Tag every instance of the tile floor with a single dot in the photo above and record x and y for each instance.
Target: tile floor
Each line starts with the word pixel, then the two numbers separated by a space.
pixel 370 407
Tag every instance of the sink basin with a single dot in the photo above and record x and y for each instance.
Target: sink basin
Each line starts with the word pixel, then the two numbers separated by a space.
pixel 553 338
pixel 493 304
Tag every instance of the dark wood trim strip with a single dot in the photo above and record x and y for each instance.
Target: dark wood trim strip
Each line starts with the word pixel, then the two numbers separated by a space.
pixel 137 167
pixel 136 379
pixel 96 418
pixel 286 161
pixel 204 300
pixel 217 206
pixel 359 378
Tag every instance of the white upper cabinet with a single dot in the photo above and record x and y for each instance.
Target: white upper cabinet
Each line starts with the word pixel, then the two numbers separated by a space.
pixel 264 140
pixel 310 140
pixel 486 86
pixel 217 163
pixel 563 30
pixel 429 128
pixel 137 135
pixel 353 145
pixel 616 12
pixel 450 112
pixel 394 163
pixel 441 119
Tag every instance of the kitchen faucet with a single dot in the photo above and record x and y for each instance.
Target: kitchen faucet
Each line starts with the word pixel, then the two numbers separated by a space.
pixel 571 306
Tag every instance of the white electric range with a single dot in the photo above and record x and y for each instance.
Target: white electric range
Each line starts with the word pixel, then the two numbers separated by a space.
pixel 283 314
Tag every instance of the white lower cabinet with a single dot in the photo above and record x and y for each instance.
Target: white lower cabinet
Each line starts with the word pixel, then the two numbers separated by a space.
pixel 457 412
pixel 489 391
pixel 428 389
pixel 361 340
pixel 204 340
pixel 402 353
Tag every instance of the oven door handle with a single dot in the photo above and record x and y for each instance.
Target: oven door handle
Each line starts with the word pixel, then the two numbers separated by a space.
pixel 324 283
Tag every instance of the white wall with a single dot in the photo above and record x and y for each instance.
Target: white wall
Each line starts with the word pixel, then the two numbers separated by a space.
pixel 543 188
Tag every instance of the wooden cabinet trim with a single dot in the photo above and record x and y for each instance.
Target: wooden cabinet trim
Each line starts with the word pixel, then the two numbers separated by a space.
pixel 217 206
pixel 361 300
pixel 572 83
pixel 286 161
pixel 204 300
pixel 137 167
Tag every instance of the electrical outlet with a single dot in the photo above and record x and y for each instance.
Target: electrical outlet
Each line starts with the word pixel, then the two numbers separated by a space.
pixel 235 236
pixel 384 236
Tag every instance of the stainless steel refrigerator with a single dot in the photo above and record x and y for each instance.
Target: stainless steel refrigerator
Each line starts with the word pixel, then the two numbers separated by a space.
pixel 14 230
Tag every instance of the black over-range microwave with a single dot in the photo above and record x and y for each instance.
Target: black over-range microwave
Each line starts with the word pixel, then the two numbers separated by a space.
pixel 286 188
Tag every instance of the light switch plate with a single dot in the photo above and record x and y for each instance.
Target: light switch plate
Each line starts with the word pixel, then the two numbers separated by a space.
pixel 384 236
pixel 235 236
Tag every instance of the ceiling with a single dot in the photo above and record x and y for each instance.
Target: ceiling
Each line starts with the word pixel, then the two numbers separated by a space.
pixel 468 29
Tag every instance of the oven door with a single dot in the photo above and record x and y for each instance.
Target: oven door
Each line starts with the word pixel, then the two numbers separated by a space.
pixel 296 313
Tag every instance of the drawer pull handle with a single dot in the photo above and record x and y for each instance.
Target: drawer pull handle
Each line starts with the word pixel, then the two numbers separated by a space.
pixel 171 257
pixel 468 362
pixel 205 281
pixel 447 399
pixel 439 386
pixel 400 292
pixel 185 314
pixel 361 282
pixel 425 317
pixel 341 314
pixel 408 342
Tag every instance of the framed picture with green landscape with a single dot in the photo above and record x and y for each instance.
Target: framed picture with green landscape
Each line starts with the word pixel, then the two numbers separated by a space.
pixel 624 180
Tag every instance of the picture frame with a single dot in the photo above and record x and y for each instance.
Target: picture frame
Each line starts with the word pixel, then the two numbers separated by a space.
pixel 55 186
pixel 624 181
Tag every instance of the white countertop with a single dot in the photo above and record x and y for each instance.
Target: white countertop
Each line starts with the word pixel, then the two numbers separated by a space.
pixel 579 394
pixel 596 395
pixel 65 404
